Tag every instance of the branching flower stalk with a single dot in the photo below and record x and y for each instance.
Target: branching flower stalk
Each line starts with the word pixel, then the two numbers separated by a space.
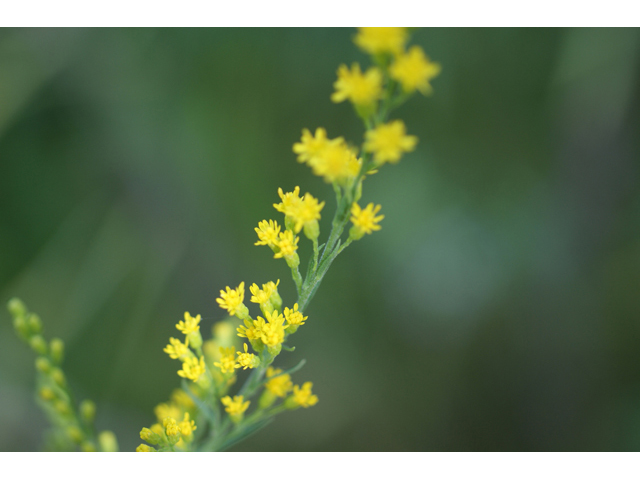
pixel 203 415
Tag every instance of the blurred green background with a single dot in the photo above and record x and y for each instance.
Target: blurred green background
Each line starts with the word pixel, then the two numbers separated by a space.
pixel 497 309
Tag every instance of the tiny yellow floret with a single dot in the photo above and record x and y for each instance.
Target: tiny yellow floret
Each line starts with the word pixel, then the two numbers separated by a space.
pixel 236 406
pixel 263 296
pixel 366 220
pixel 280 385
pixel 192 369
pixel 293 316
pixel 176 349
pixel 290 201
pixel 336 163
pixel 303 396
pixel 182 399
pixel 267 232
pixel 232 299
pixel 247 360
pixel 414 70
pixel 375 40
pixel 389 141
pixel 187 426
pixel 360 89
pixel 227 361
pixel 307 211
pixel 145 448
pixel 251 330
pixel 272 332
pixel 287 243
pixel 165 410
pixel 189 325
pixel 171 427
pixel 311 146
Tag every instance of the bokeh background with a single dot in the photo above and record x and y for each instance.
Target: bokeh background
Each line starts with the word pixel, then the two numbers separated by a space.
pixel 497 309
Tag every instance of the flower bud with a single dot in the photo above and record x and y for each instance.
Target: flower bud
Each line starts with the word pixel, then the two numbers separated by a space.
pixel 62 407
pixel 34 323
pixel 58 376
pixel 88 446
pixel 43 364
pixel 195 339
pixel 21 327
pixel 242 312
pixel 276 301
pixel 107 441
pixel 275 351
pixel 46 394
pixel 355 233
pixel 266 399
pixel 312 230
pixel 38 344
pixel 292 260
pixel 16 308
pixel 171 430
pixel 145 448
pixel 150 437
pixel 75 434
pixel 87 411
pixel 57 350
pixel 290 403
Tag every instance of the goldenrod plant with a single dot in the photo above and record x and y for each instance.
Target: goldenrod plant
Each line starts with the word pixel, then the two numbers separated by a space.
pixel 210 412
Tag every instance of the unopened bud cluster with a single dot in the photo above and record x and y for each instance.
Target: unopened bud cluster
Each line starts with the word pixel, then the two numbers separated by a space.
pixel 73 426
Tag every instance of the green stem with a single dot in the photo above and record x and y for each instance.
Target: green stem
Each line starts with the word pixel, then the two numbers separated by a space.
pixel 315 257
pixel 297 278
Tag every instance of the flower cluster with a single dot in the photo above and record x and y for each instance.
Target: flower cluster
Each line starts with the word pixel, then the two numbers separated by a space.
pixel 213 366
pixel 205 414
pixel 73 425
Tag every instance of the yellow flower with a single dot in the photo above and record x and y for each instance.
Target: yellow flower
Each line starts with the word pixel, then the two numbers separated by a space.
pixel 145 448
pixel 267 232
pixel 388 142
pixel 337 162
pixel 176 349
pixel 280 385
pixel 376 40
pixel 303 396
pixel 272 333
pixel 157 428
pixel 227 361
pixel 187 426
pixel 165 410
pixel 235 407
pixel 298 210
pixel 150 436
pixel 365 221
pixel 189 325
pixel 171 427
pixel 232 299
pixel 263 296
pixel 310 146
pixel 251 330
pixel 290 201
pixel 307 212
pixel 287 243
pixel 181 398
pixel 360 89
pixel 192 369
pixel 247 360
pixel 293 316
pixel 414 70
